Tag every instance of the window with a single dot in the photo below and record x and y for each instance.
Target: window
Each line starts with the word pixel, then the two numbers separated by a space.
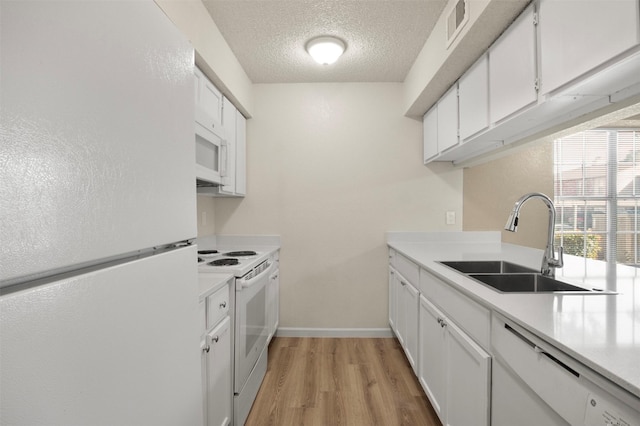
pixel 597 188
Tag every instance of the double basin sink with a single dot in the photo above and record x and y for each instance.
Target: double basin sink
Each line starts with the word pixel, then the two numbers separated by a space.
pixel 509 277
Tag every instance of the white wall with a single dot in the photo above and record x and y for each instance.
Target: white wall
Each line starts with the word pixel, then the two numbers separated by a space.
pixel 331 168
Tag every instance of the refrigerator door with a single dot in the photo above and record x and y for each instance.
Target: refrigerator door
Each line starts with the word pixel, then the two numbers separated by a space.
pixel 97 144
pixel 114 346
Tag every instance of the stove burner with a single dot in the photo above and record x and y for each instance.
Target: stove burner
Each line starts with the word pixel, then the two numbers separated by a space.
pixel 205 252
pixel 224 262
pixel 241 253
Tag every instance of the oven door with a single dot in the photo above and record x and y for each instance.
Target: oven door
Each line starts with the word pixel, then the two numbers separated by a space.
pixel 251 328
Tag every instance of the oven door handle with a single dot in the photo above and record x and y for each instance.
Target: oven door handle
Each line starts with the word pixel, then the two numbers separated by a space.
pixel 246 283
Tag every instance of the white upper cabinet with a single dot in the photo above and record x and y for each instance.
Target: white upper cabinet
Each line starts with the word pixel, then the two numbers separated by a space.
pixel 440 126
pixel 229 113
pixel 567 60
pixel 208 102
pixel 512 69
pixel 576 37
pixel 430 133
pixel 235 169
pixel 448 119
pixel 473 98
pixel 241 155
pixel 221 145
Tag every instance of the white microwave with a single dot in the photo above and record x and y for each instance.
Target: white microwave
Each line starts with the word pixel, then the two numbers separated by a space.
pixel 211 152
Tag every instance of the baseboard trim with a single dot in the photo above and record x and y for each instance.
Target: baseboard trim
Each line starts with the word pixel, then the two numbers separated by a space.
pixel 334 332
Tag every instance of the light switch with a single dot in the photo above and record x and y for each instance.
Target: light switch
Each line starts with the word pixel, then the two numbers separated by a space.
pixel 451 218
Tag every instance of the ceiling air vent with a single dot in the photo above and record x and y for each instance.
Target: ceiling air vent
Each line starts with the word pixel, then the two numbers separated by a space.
pixel 456 19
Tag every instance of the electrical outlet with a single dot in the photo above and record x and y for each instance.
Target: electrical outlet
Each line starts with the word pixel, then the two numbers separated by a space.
pixel 451 218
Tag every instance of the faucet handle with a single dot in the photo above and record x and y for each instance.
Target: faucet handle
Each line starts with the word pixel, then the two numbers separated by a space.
pixel 560 260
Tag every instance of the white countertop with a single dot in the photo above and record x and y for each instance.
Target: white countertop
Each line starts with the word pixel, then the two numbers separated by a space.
pixel 209 283
pixel 601 331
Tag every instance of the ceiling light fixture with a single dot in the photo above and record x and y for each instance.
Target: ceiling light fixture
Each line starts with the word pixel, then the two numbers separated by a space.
pixel 325 50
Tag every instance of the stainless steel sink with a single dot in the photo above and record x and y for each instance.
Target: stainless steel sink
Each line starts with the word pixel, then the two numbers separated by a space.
pixel 507 277
pixel 525 283
pixel 487 267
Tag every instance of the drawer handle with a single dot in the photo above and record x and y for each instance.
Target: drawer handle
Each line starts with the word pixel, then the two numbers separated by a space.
pixel 223 305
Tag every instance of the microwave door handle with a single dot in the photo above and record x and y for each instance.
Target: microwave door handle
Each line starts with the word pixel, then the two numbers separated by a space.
pixel 224 157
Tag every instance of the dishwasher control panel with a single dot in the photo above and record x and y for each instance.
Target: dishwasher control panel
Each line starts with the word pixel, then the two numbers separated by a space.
pixel 602 411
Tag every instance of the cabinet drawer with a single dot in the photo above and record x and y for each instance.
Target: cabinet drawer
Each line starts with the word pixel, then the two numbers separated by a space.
pixel 473 318
pixel 202 317
pixel 407 269
pixel 217 306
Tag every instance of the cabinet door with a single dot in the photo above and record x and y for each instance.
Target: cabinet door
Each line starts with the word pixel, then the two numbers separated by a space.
pixel 448 119
pixel 576 37
pixel 205 381
pixel 401 313
pixel 473 98
pixel 392 299
pixel 219 375
pixel 430 133
pixel 431 365
pixel 468 379
pixel 273 295
pixel 209 97
pixel 241 154
pixel 512 68
pixel 412 307
pixel 208 100
pixel 229 112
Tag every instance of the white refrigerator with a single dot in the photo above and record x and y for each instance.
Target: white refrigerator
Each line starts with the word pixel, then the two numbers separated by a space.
pixel 98 280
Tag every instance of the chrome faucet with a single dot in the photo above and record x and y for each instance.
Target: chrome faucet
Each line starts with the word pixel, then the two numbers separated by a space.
pixel 549 260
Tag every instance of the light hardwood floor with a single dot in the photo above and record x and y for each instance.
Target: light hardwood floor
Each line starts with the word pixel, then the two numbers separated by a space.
pixel 331 382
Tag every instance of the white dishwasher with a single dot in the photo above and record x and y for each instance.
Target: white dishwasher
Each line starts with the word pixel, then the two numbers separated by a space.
pixel 535 384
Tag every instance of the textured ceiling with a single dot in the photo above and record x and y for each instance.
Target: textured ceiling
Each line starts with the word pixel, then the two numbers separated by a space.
pixel 383 37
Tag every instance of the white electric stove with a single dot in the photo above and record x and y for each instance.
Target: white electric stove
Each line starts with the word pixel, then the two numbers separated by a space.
pixel 233 261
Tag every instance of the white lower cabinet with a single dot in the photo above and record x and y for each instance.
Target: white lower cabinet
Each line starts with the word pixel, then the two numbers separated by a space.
pixel 454 371
pixel 411 308
pixel 431 368
pixel 217 389
pixel 403 314
pixel 392 300
pixel 218 363
pixel 273 302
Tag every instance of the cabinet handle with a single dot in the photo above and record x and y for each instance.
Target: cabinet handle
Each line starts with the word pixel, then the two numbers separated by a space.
pixel 215 340
pixel 207 349
pixel 403 283
pixel 443 324
pixel 223 305
pixel 439 320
